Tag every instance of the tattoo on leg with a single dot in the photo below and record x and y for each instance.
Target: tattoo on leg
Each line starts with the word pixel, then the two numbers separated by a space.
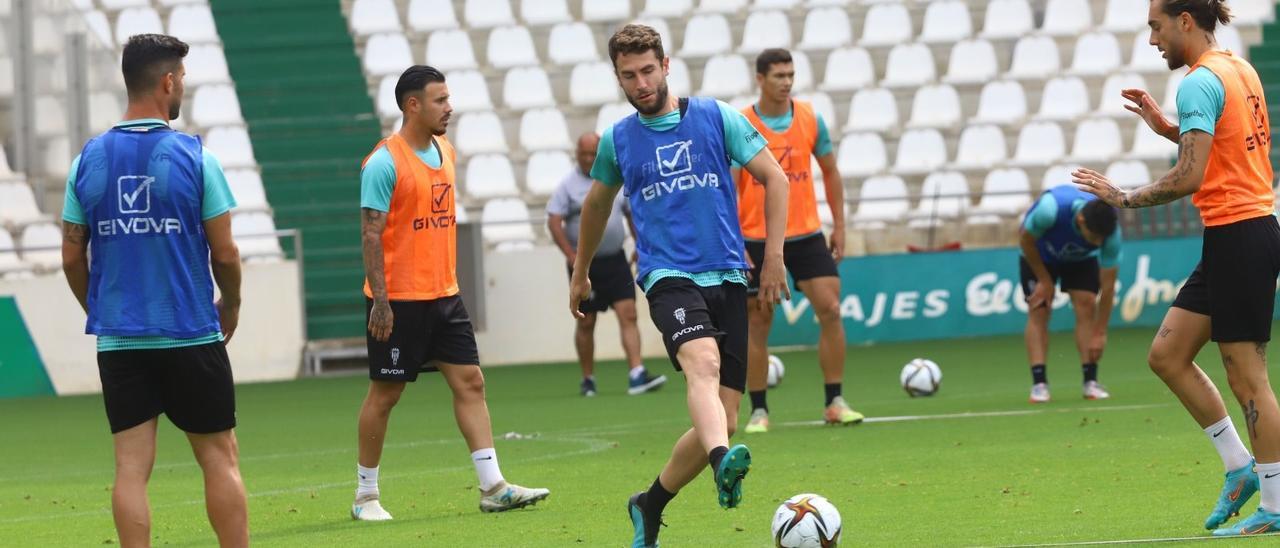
pixel 1226 360
pixel 1261 349
pixel 1165 331
pixel 1251 419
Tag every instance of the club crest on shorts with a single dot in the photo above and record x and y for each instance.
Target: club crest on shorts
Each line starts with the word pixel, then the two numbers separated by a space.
pixel 680 315
pixel 395 356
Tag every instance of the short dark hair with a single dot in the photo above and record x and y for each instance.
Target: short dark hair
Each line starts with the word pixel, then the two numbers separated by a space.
pixel 1099 218
pixel 147 58
pixel 415 79
pixel 635 39
pixel 771 57
pixel 1206 13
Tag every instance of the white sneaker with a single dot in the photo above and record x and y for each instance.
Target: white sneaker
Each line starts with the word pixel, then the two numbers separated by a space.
pixel 1095 391
pixel 367 508
pixel 1039 393
pixel 509 496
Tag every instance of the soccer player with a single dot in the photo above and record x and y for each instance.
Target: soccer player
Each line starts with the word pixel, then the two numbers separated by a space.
pixel 416 317
pixel 794 131
pixel 671 159
pixel 152 207
pixel 1069 235
pixel 611 279
pixel 1224 141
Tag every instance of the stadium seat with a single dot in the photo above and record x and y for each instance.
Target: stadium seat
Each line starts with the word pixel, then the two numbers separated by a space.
pixel 41 245
pixel 5 171
pixel 920 151
pixel 1252 12
pixel 1057 175
pixel 861 154
pixel 1229 39
pixel 388 54
pixel 774 4
pixel 254 233
pixel 432 15
pixel 545 169
pixel 610 113
pixel 1170 103
pixel 706 35
pixel 822 104
pixel 511 47
pixel 873 109
pixel 1040 143
pixel 1005 193
pixel 572 43
pixel 373 17
pixel 1007 19
pixel 664 8
pixel 803 80
pixel 56 155
pixel 909 65
pixel 490 176
pixel 763 30
pixel 660 26
pixel 106 109
pixel 881 200
pixel 10 263
pixel 231 145
pixel 848 69
pixel 1111 103
pixel 935 106
pixel 1067 17
pixel 981 147
pixel 721 6
pixel 128 23
pixel 1145 57
pixel 97 23
pixel 972 61
pixel 1001 102
pixel 1034 57
pixel 826 28
pixel 121 4
pixel 483 14
pixel 18 204
pixel 1127 16
pixel 1064 98
pixel 385 101
pixel 480 133
pixel 943 196
pixel 506 220
pixel 678 77
pixel 216 105
pixel 946 21
pixel 592 84
pixel 527 87
pixel 1097 139
pixel 605 10
pixel 246 186
pixel 468 91
pixel 886 25
pixel 449 50
pixel 194 24
pixel 206 64
pixel 544 12
pixel 1096 53
pixel 51 116
pixel 544 129
pixel 1129 174
pixel 163 2
pixel 725 76
pixel 1149 146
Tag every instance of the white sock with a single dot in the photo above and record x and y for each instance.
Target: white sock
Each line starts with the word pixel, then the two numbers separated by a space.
pixel 366 481
pixel 1269 486
pixel 1227 441
pixel 486 461
pixel 637 371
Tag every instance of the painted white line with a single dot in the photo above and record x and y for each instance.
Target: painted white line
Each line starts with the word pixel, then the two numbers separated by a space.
pixel 982 414
pixel 1137 541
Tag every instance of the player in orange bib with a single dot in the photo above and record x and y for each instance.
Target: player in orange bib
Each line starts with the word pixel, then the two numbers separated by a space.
pixel 416 319
pixel 1224 143
pixel 794 131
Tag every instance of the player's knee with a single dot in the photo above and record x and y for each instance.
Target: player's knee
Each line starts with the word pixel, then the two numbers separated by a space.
pixel 1162 360
pixel 702 365
pixel 471 384
pixel 758 319
pixel 1247 382
pixel 828 312
pixel 386 396
pixel 587 325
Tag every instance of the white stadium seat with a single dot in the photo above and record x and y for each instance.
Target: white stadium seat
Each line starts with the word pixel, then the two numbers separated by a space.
pixel 490 176
pixel 193 24
pixel 763 30
pixel 544 12
pixel 1149 146
pixel 593 84
pixel 803 80
pixel 18 204
pixel 132 21
pixel 10 263
pixel 231 145
pixel 944 195
pixel 1067 17
pixel 909 65
pixel 480 133
pixel 660 26
pixel 946 21
pixel 98 26
pixel 848 69
pixel 106 108
pixel 886 25
pixel 936 106
pixel 721 6
pixel 861 154
pixel 1001 102
pixel 1040 143
pixel 387 54
pixel 972 61
pixel 468 91
pixel 666 8
pixel 254 233
pixel 206 64
pixel 1145 57
pixel 51 116
pixel 216 105
pixel 881 200
pixel 431 15
pixel 544 129
pixel 246 187
pixel 826 28
pixel 612 112
pixel 1034 57
pixel 1005 193
pixel 1229 39
pixel 1096 53
pixel 1170 103
pixel 1129 174
pixel 450 49
pixel 1111 102
pixel 1097 139
pixel 41 245
pixel 920 151
pixel 373 17
pixel 1007 19
pixel 774 4
pixel 726 76
pixel 385 101
pixel 121 4
pixel 506 220
pixel 483 14
pixel 1127 16
pixel 511 47
pixel 706 35
pixel 606 10
pixel 981 147
pixel 1064 98
pixel 873 109
pixel 678 77
pixel 527 87
pixel 1252 12
pixel 545 169
pixel 572 43
pixel 1057 175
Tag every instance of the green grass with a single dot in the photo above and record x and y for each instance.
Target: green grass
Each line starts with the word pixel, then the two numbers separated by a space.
pixel 1133 467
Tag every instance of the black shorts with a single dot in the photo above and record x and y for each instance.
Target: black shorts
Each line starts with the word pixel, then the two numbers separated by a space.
pixel 611 281
pixel 422 334
pixel 684 311
pixel 805 258
pixel 191 385
pixel 1078 276
pixel 1235 282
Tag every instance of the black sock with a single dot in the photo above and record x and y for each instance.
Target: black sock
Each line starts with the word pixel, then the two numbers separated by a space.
pixel 717 455
pixel 655 500
pixel 758 401
pixel 1090 371
pixel 1038 374
pixel 832 390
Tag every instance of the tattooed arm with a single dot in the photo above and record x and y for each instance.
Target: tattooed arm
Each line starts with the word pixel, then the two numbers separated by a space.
pixel 372 224
pixel 75 260
pixel 1183 179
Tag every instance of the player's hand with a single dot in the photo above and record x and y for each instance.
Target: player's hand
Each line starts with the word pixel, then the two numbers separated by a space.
pixel 1097 343
pixel 570 257
pixel 837 244
pixel 229 315
pixel 751 265
pixel 579 290
pixel 1041 295
pixel 1098 185
pixel 773 283
pixel 1145 106
pixel 380 320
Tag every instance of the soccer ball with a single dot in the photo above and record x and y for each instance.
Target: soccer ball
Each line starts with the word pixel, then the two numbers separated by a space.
pixel 806 521
pixel 776 370
pixel 921 377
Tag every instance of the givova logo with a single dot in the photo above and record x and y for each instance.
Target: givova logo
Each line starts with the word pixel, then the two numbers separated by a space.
pixel 676 160
pixel 133 195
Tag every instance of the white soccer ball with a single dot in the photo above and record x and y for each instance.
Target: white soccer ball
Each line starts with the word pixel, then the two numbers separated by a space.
pixel 921 377
pixel 776 370
pixel 806 521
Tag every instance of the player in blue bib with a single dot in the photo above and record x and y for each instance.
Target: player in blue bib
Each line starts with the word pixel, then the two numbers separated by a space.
pixel 1069 235
pixel 671 160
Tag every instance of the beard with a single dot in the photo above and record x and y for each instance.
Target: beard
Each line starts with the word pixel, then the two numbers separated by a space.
pixel 174 110
pixel 662 95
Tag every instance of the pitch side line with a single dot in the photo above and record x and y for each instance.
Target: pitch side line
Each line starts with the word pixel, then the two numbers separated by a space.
pixel 984 414
pixel 1138 541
